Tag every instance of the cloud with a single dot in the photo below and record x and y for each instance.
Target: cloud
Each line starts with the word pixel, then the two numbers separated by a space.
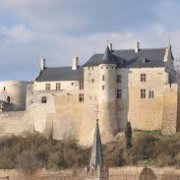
pixel 59 29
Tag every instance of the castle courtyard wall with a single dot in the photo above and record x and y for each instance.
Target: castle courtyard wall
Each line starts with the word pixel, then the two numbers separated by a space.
pixel 119 173
pixel 146 114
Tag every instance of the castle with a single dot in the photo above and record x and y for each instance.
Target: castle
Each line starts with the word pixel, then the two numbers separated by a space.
pixel 137 85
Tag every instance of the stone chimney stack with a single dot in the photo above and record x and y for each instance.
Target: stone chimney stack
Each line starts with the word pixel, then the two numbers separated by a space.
pixel 43 63
pixel 137 47
pixel 75 63
pixel 110 45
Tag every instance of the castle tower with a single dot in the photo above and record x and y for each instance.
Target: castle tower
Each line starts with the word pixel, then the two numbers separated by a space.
pixel 107 101
pixel 97 170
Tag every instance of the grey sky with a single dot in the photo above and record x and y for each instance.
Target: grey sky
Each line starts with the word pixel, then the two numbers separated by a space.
pixel 59 29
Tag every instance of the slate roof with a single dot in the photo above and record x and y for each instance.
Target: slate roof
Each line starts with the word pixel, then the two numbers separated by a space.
pixel 122 58
pixel 108 58
pixel 131 59
pixel 60 74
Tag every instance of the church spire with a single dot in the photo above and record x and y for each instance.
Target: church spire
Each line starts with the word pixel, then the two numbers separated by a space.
pixel 96 154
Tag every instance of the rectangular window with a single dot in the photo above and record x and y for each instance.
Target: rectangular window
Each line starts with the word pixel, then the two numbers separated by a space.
pixel 103 87
pixel 143 94
pixel 48 86
pixel 143 78
pixel 119 78
pixel 58 86
pixel 103 78
pixel 92 80
pixel 81 97
pixel 151 94
pixel 119 93
pixel 81 85
pixel 44 99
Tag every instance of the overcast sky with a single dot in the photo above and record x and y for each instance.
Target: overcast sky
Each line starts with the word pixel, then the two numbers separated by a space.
pixel 59 29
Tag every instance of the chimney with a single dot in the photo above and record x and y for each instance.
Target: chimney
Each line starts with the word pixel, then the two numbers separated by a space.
pixel 137 47
pixel 43 63
pixel 75 63
pixel 110 45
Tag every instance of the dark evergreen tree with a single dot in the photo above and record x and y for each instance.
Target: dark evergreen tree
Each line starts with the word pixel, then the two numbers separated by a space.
pixel 128 135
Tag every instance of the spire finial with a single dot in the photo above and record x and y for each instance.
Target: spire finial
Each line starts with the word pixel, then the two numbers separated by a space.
pixel 108 43
pixel 169 40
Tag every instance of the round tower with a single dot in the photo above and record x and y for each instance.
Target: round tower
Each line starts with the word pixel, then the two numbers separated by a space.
pixel 14 93
pixel 107 103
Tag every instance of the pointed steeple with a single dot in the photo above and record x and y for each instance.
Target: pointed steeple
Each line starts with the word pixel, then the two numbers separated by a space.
pixel 96 160
pixel 108 57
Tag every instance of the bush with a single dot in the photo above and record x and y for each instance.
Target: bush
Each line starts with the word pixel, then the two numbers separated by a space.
pixel 148 148
pixel 144 146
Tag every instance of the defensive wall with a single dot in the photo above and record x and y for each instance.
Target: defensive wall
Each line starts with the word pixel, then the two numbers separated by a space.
pixel 121 173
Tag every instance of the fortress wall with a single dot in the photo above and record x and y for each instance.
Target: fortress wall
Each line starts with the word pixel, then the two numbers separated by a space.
pixel 170 98
pixel 119 173
pixel 146 114
pixel 16 90
pixel 39 110
pixel 123 102
pixel 15 123
pixel 69 115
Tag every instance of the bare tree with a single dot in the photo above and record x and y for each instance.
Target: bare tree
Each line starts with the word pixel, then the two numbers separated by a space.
pixel 28 165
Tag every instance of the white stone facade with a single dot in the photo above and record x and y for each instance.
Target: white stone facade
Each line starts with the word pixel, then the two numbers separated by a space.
pixel 142 95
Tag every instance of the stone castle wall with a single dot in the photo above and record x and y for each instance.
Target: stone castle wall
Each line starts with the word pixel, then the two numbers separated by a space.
pixel 170 111
pixel 146 114
pixel 119 173
pixel 66 116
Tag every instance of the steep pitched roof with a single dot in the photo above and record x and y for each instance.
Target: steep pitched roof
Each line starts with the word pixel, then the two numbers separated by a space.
pixel 130 59
pixel 60 74
pixel 96 159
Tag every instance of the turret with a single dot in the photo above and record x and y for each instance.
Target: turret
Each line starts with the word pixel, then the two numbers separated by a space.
pixel 107 102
